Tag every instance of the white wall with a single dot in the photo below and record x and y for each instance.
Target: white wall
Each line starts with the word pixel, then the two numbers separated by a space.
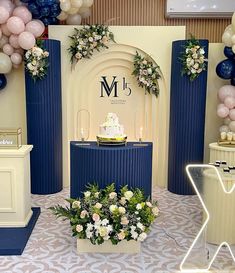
pixel 12 102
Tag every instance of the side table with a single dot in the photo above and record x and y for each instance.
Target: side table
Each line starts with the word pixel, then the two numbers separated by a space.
pixel 218 152
pixel 124 165
pixel 15 198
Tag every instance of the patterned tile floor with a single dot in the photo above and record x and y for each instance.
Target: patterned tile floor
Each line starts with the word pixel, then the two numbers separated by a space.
pixel 51 249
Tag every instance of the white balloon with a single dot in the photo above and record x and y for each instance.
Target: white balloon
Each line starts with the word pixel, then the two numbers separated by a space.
pixel 74 19
pixel 84 12
pixel 65 5
pixel 72 10
pixel 3 41
pixel 5 63
pixel 224 128
pixel 76 3
pixel 87 3
pixel 62 16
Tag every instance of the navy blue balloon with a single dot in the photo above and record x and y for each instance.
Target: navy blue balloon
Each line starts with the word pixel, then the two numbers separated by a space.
pixel 225 69
pixel 45 11
pixel 229 53
pixel 33 8
pixel 55 10
pixel 54 21
pixel 42 3
pixel 46 20
pixel 233 80
pixel 26 1
pixel 3 81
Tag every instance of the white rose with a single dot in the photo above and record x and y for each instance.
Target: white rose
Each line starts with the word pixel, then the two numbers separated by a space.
pixel 122 201
pixel 87 193
pixel 83 214
pixel 104 222
pixel 79 228
pixel 128 195
pixel 196 65
pixel 112 208
pixel 30 66
pixel 134 235
pixel 112 195
pixel 142 237
pixel 202 51
pixel 149 204
pixel 90 39
pixel 138 206
pixel 98 205
pixel 140 226
pixel 149 71
pixel 155 211
pixel 103 231
pixel 124 221
pixel 122 210
pixel 76 204
pixel 96 194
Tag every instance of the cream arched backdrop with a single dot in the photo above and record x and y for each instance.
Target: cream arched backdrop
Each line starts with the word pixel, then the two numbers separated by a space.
pixel 81 88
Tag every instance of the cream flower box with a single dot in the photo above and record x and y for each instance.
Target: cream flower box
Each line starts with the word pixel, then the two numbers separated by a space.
pixel 85 246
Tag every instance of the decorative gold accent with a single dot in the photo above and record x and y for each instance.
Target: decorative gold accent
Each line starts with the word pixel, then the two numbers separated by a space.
pixel 10 138
pixel 226 143
pixel 120 140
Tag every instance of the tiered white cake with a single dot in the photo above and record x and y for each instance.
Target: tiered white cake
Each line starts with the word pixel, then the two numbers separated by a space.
pixel 111 127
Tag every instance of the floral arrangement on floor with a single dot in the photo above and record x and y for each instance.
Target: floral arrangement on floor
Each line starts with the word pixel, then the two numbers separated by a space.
pixel 147 74
pixel 36 61
pixel 88 38
pixel 105 214
pixel 193 59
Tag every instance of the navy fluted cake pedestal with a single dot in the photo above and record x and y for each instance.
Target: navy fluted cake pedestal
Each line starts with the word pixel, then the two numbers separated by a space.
pixel 124 165
pixel 187 121
pixel 44 125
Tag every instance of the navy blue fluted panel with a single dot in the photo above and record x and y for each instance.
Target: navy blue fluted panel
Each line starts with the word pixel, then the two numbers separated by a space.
pixel 44 125
pixel 124 165
pixel 187 121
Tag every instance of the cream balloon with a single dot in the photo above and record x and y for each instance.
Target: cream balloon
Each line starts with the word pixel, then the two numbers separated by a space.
pixel 13 41
pixel 5 63
pixel 4 15
pixel 16 58
pixel 8 49
pixel 5 30
pixel 87 3
pixel 65 5
pixel 15 25
pixel 227 121
pixel 76 3
pixel 224 128
pixel 62 16
pixel 74 19
pixel 26 40
pixel 23 13
pixel 232 126
pixel 226 38
pixel 233 48
pixel 233 21
pixel 35 27
pixel 3 41
pixel 84 12
pixel 233 39
pixel 0 33
pixel 72 11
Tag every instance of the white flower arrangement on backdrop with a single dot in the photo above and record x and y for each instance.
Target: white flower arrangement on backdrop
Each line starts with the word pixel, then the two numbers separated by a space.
pixel 147 74
pixel 36 61
pixel 105 214
pixel 88 39
pixel 193 59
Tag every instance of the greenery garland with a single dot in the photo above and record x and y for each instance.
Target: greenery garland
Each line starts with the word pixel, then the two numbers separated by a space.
pixel 36 61
pixel 147 74
pixel 193 59
pixel 87 39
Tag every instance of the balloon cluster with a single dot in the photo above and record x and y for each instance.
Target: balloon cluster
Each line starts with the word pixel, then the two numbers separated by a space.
pixel 45 10
pixel 17 32
pixel 73 11
pixel 226 68
pixel 226 108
